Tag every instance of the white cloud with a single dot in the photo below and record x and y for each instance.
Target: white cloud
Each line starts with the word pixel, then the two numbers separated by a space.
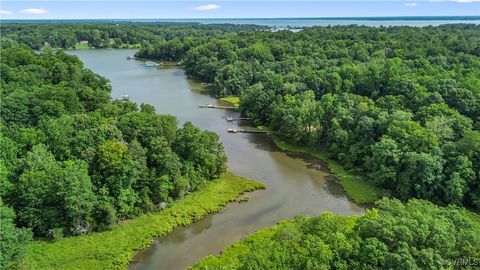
pixel 206 7
pixel 5 12
pixel 34 11
pixel 457 1
pixel 411 4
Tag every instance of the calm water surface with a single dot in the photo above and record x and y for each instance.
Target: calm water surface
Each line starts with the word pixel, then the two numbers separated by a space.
pixel 308 22
pixel 295 184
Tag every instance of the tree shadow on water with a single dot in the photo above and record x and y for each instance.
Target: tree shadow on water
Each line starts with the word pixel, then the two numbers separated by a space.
pixel 333 186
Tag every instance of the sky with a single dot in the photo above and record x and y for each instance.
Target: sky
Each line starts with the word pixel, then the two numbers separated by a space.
pixel 161 9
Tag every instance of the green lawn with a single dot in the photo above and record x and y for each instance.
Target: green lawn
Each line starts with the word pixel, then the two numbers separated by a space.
pixel 79 46
pixel 113 249
pixel 360 191
pixel 235 101
pixel 132 46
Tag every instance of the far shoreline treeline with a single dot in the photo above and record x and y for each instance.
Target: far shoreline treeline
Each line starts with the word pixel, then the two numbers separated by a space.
pixel 186 20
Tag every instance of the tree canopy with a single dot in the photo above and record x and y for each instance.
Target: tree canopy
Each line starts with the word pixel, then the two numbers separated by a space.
pixel 414 235
pixel 400 106
pixel 114 34
pixel 396 104
pixel 74 161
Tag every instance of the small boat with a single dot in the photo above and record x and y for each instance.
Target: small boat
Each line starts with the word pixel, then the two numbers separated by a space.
pixel 125 97
pixel 151 64
pixel 130 57
pixel 233 130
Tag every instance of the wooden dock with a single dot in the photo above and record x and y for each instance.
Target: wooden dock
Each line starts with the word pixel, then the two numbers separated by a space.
pixel 211 106
pixel 231 118
pixel 241 130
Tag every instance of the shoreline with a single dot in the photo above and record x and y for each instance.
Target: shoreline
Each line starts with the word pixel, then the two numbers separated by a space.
pixel 357 190
pixel 115 248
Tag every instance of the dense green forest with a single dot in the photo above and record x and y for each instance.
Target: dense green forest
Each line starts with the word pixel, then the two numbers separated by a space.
pixel 73 161
pixel 399 105
pixel 415 235
pixel 115 34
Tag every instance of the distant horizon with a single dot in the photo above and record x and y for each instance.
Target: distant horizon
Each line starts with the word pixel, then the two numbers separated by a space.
pixel 419 17
pixel 214 9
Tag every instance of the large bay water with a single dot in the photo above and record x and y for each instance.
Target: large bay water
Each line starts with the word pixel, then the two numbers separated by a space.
pixel 417 21
pixel 308 22
pixel 296 184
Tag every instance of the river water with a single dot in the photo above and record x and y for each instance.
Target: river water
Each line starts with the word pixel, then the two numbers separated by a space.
pixel 296 184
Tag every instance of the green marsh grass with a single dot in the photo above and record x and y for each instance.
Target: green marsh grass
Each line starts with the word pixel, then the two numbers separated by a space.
pixel 114 249
pixel 360 191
